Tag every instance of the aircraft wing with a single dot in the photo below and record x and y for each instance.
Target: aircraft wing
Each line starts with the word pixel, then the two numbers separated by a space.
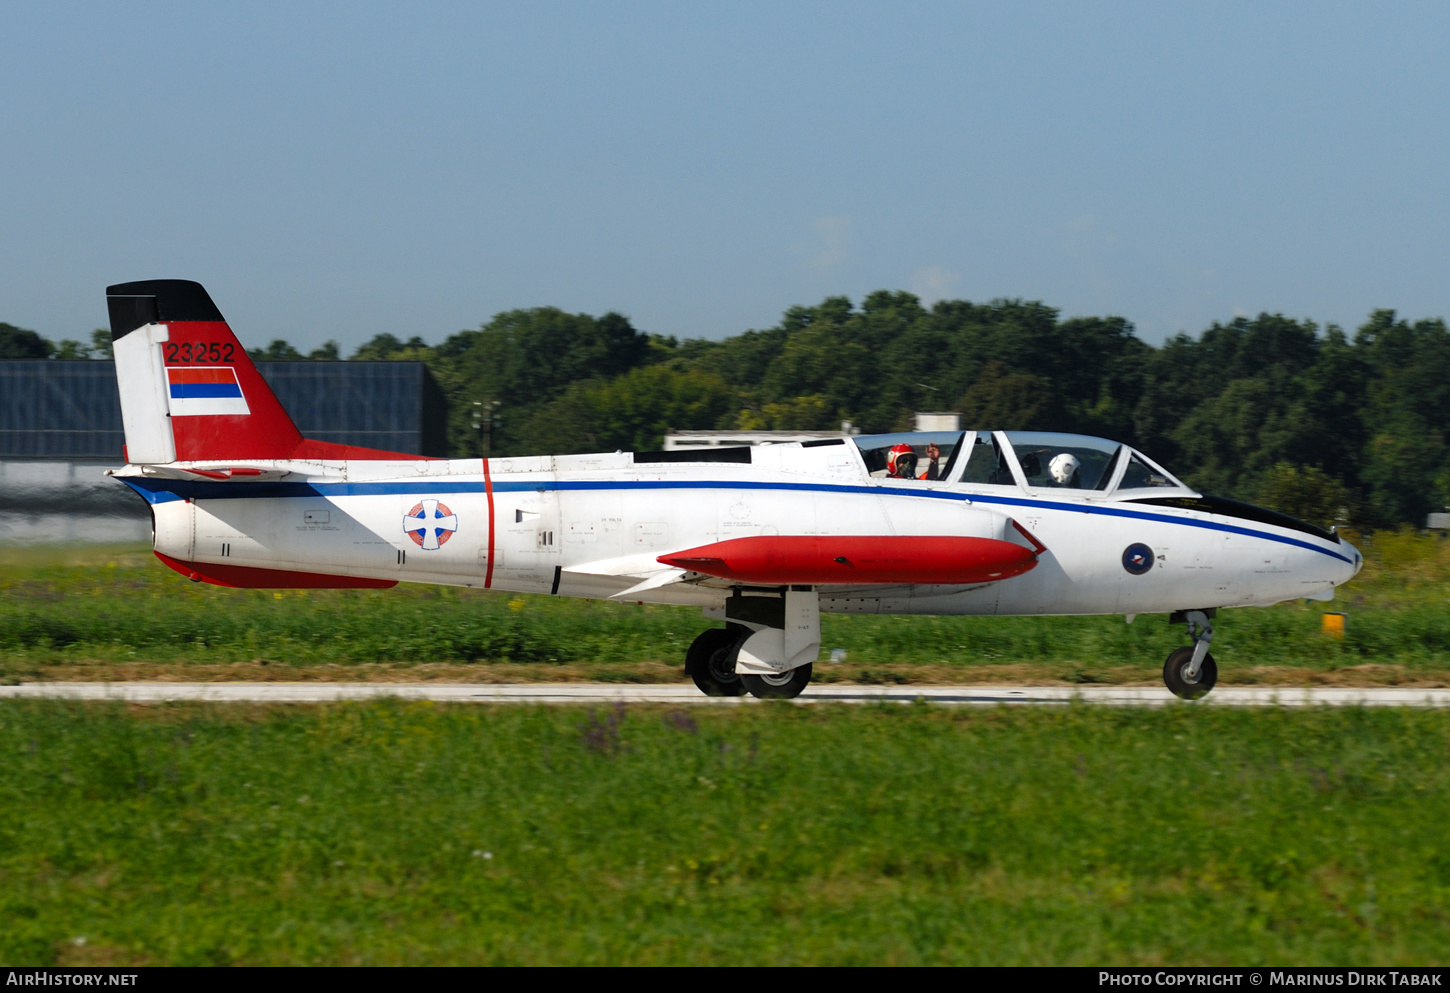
pixel 651 573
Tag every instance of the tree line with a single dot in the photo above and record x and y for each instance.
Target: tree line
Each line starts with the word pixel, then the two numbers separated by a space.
pixel 1332 426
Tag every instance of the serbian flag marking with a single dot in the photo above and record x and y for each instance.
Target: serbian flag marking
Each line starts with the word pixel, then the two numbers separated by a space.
pixel 205 390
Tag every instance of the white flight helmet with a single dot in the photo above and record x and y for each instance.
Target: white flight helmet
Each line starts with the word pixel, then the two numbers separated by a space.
pixel 1063 468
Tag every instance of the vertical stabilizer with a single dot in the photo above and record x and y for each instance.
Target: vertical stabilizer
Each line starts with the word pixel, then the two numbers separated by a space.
pixel 189 391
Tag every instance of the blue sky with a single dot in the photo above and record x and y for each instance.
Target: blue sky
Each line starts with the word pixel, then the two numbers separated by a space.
pixel 341 170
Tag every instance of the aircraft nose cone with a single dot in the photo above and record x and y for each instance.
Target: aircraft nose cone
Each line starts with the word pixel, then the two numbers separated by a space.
pixel 1354 562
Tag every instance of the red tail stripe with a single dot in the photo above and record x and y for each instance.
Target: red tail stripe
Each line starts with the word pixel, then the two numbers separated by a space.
pixel 192 374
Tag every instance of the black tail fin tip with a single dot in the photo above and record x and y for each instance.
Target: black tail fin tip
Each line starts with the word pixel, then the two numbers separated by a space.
pixel 156 301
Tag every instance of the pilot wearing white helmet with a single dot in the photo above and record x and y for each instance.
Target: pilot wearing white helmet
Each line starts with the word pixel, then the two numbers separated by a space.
pixel 1064 470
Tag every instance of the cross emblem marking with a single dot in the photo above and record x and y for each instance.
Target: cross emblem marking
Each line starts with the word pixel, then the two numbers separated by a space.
pixel 430 524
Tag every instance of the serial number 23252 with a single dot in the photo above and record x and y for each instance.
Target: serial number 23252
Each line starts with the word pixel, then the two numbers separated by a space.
pixel 199 351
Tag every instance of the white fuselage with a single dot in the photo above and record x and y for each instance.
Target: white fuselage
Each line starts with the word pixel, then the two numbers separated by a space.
pixel 595 525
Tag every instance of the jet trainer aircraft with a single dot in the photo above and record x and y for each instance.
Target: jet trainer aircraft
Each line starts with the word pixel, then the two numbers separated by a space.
pixel 761 538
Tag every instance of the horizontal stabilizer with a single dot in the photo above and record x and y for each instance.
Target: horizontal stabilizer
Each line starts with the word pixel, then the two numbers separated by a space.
pixel 857 560
pixel 221 473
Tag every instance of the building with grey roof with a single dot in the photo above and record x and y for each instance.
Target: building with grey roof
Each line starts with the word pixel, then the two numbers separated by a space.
pixel 60 428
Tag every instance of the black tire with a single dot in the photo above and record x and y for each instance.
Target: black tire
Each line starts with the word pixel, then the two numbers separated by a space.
pixel 709 663
pixel 1178 684
pixel 786 686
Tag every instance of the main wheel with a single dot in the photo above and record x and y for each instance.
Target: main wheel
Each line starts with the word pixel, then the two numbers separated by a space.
pixel 1175 675
pixel 708 663
pixel 782 686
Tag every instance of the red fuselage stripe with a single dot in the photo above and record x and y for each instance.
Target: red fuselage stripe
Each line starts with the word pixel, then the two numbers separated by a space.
pixel 488 491
pixel 248 577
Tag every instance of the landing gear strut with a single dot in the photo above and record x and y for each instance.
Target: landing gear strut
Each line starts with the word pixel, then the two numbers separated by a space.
pixel 1191 672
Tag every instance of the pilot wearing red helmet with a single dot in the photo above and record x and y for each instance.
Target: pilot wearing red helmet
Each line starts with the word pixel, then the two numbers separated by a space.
pixel 901 462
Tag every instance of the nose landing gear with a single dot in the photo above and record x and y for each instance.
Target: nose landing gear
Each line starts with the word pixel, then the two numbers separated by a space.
pixel 1191 672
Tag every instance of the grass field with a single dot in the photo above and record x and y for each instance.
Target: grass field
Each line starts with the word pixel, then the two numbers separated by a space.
pixel 414 833
pixel 104 613
pixel 397 833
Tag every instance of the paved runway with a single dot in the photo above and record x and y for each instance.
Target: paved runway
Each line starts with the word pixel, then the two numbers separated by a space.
pixel 597 693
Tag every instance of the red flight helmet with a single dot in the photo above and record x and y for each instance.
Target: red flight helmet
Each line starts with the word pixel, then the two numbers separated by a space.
pixel 901 461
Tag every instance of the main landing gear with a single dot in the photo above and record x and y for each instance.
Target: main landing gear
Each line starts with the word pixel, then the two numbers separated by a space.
pixel 1191 672
pixel 771 638
pixel 710 662
pixel 772 635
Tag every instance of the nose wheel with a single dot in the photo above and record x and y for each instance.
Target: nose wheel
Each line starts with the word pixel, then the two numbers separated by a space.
pixel 1191 672
pixel 1184 683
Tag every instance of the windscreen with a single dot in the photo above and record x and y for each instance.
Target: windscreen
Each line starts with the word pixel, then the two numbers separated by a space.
pixel 1141 475
pixel 1064 461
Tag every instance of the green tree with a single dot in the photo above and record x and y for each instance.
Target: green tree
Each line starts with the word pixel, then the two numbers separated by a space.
pixel 277 351
pixel 631 412
pixel 101 344
pixel 1001 398
pixel 21 343
pixel 1332 405
pixel 1406 409
pixel 807 413
pixel 522 360
pixel 1306 492
pixel 1229 405
pixel 70 350
pixel 387 347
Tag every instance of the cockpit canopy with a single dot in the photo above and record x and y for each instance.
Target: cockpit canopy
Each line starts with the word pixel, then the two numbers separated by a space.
pixel 1034 460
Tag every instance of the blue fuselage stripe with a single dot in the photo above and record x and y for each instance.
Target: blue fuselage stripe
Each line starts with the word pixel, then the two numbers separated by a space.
pixel 165 490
